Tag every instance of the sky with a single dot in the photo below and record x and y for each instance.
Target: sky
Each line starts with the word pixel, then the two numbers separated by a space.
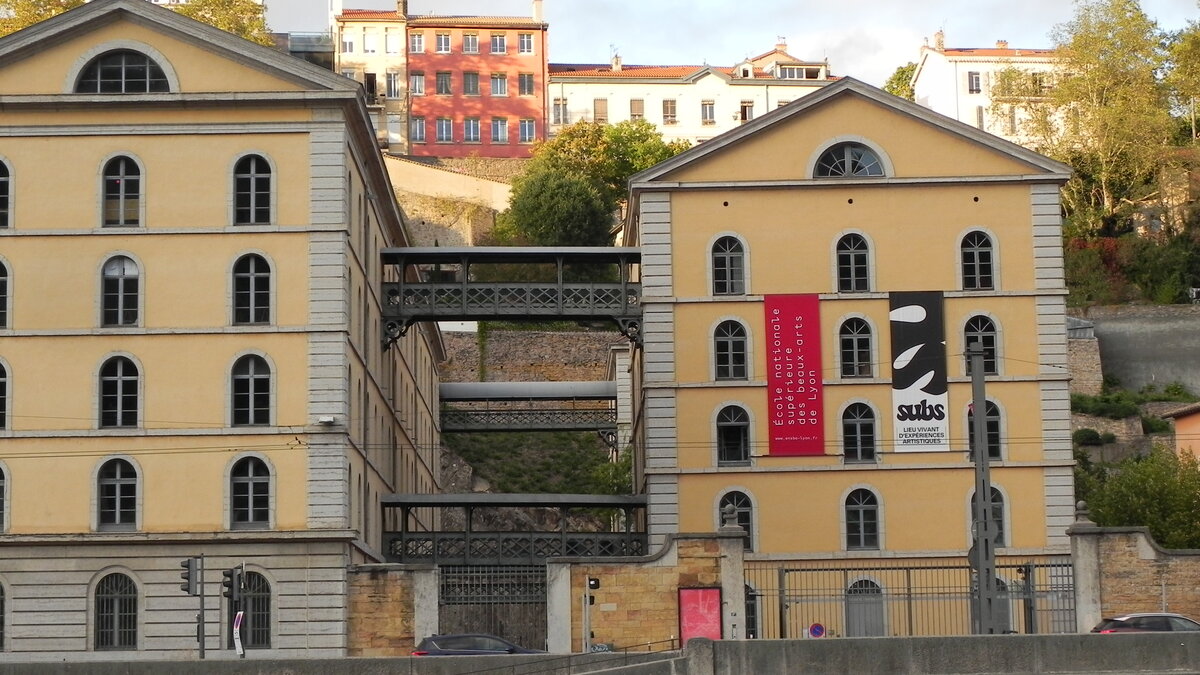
pixel 865 39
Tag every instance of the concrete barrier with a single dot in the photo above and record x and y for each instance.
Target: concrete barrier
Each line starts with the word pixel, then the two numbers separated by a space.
pixel 966 655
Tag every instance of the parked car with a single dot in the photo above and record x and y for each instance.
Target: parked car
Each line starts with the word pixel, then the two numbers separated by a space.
pixel 468 645
pixel 1146 621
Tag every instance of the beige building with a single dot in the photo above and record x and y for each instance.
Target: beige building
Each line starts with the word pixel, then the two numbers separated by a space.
pixel 965 82
pixel 810 283
pixel 190 343
pixel 692 103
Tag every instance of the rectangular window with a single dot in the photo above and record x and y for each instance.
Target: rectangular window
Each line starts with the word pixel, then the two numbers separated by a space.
pixel 471 130
pixel 471 84
pixel 445 130
pixel 782 103
pixel 600 110
pixel 416 129
pixel 978 117
pixel 347 43
pixel 746 111
pixel 669 111
pixel 525 43
pixel 559 113
pixel 973 82
pixel 470 43
pixel 416 84
pixel 708 112
pixel 499 84
pixel 443 83
pixel 790 72
pixel 525 84
pixel 637 109
pixel 499 43
pixel 416 43
pixel 442 43
pixel 391 40
pixel 499 129
pixel 393 84
pixel 370 41
pixel 348 74
pixel 527 130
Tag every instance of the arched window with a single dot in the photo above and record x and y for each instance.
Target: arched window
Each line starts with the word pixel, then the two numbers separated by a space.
pixel 862 521
pixel 865 615
pixel 728 267
pixel 116 606
pixel 5 195
pixel 858 433
pixel 122 193
pixel 122 71
pixel 3 406
pixel 980 329
pixel 119 292
pixel 996 507
pixel 743 511
pixel 3 296
pixel 855 340
pixel 116 495
pixel 250 495
pixel 991 421
pixel 251 290
pixel 729 349
pixel 848 160
pixel 251 389
pixel 256 603
pixel 733 436
pixel 853 264
pixel 252 191
pixel 977 273
pixel 118 393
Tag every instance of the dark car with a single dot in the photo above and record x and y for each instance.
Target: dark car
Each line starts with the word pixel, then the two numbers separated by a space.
pixel 468 645
pixel 1146 622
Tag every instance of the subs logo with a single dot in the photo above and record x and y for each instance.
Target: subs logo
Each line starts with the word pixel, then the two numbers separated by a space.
pixel 922 412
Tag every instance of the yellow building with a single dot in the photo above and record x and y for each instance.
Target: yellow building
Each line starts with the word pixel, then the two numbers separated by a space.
pixel 810 283
pixel 192 361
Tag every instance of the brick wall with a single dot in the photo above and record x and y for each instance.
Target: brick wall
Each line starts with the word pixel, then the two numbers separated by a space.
pixel 1122 569
pixel 381 611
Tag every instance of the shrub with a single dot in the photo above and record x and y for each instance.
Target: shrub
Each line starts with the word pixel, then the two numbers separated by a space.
pixel 1108 437
pixel 1085 436
pixel 1154 425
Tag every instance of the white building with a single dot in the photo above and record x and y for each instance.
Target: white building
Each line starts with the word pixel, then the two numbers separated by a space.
pixel 962 82
pixel 685 102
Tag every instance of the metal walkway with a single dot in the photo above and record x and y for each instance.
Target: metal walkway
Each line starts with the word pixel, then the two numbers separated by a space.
pixel 445 284
pixel 520 406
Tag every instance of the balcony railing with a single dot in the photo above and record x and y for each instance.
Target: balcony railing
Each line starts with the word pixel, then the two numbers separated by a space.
pixel 507 548
pixel 528 419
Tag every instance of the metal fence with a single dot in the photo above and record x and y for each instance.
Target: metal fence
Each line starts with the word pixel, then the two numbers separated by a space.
pixel 798 599
pixel 505 600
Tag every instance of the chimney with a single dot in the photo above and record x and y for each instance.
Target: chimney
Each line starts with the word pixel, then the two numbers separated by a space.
pixel 1001 44
pixel 616 63
pixel 537 11
pixel 781 44
pixel 939 40
pixel 402 8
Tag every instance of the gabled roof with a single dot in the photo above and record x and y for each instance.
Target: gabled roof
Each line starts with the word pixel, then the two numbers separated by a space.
pixel 1184 411
pixel 100 12
pixel 849 86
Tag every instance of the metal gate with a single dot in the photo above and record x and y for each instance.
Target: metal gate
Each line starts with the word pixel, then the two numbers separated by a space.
pixel 507 601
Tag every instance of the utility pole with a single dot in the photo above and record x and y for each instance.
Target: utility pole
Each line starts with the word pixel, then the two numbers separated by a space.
pixel 982 555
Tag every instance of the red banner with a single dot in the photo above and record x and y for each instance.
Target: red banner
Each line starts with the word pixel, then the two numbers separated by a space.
pixel 794 389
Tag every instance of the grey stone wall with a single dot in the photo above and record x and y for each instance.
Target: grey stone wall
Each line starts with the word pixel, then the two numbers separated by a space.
pixel 1148 344
pixel 1083 358
pixel 528 356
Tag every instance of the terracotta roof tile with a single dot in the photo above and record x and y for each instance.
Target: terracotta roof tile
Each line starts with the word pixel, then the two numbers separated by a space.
pixel 447 21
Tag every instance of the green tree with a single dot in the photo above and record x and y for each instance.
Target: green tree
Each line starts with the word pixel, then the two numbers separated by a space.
pixel 900 83
pixel 556 208
pixel 1184 75
pixel 244 18
pixel 18 14
pixel 1105 111
pixel 1160 491
pixel 605 155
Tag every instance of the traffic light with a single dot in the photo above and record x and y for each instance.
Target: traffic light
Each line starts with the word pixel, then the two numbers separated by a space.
pixel 190 576
pixel 231 584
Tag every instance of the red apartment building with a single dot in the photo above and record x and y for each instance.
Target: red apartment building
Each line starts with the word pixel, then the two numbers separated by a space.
pixel 457 86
